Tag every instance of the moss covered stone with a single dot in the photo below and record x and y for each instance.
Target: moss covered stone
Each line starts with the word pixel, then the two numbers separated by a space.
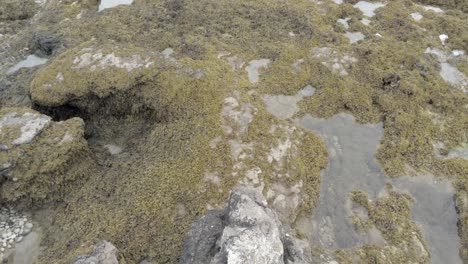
pixel 40 158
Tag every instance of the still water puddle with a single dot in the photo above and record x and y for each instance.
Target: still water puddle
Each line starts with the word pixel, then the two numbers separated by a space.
pixel 28 250
pixel 352 166
pixel 29 62
pixel 106 4
pixel 459 153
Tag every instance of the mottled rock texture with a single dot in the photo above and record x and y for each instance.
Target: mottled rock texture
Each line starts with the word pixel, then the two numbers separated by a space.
pixel 104 253
pixel 247 231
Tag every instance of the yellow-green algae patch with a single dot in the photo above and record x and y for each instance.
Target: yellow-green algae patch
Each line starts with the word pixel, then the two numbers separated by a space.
pixel 44 168
pixel 151 196
pixel 390 214
pixel 134 202
pixel 453 4
pixel 301 162
pixel 90 70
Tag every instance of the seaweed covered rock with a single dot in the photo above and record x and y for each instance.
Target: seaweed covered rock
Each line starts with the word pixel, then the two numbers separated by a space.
pixel 247 231
pixel 90 70
pixel 455 4
pixel 104 253
pixel 37 155
pixel 15 13
pixel 11 10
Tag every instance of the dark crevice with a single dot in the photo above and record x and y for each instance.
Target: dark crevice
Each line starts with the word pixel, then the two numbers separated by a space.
pixel 104 117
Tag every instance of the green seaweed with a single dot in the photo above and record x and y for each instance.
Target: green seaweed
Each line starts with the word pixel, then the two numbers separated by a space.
pixel 165 116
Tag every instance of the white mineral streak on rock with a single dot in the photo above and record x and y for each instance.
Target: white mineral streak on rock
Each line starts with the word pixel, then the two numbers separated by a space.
pixel 102 61
pixel 30 125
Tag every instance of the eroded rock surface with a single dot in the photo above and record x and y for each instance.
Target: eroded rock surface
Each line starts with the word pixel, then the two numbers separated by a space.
pixel 104 253
pixel 247 231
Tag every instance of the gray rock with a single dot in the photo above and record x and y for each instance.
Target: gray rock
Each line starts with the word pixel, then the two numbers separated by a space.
pixel 252 233
pixel 104 253
pixel 247 231
pixel 200 242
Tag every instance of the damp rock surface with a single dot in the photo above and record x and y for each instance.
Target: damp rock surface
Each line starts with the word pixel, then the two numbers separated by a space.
pixel 368 8
pixel 254 67
pixel 354 36
pixel 448 72
pixel 285 107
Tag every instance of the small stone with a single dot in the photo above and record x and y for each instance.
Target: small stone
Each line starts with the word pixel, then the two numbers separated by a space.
pixel 19 239
pixel 26 231
pixel 458 53
pixel 28 225
pixel 416 16
pixel 443 38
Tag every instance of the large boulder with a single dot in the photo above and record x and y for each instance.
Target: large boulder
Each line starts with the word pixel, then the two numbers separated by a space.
pixel 91 71
pixel 39 156
pixel 247 231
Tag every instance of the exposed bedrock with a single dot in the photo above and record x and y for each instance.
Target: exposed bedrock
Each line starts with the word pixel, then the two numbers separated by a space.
pixel 246 231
